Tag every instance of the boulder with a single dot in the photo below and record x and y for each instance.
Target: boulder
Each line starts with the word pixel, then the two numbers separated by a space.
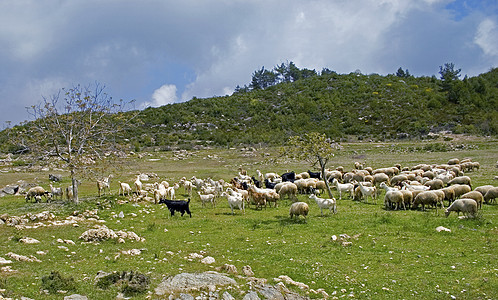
pixel 186 282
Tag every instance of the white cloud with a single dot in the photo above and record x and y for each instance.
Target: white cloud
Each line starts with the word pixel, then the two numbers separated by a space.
pixel 166 94
pixel 487 37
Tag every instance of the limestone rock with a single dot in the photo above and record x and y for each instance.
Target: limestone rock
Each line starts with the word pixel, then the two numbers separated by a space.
pixel 186 282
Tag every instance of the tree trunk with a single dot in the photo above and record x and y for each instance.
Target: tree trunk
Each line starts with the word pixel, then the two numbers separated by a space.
pixel 323 164
pixel 74 187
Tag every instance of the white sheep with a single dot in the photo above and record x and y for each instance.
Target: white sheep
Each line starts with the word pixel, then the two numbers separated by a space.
pixel 329 204
pixel 124 188
pixel 289 189
pixel 394 197
pixel 461 180
pixel 36 193
pixel 478 197
pixel 466 206
pixel 379 178
pixel 427 198
pixel 343 187
pixel 491 195
pixel 56 191
pixel 138 185
pixel 299 208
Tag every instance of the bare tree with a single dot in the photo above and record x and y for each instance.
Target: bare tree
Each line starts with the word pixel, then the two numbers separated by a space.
pixel 80 127
pixel 314 148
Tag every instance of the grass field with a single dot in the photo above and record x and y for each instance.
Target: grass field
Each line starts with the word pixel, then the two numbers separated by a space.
pixel 391 254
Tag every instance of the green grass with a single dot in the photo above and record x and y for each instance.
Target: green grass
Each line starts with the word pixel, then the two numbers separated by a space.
pixel 393 254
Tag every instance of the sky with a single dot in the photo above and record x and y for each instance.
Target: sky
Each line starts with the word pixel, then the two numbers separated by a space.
pixel 158 52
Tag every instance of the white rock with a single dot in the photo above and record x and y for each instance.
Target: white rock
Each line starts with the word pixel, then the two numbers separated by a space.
pixel 441 228
pixel 208 260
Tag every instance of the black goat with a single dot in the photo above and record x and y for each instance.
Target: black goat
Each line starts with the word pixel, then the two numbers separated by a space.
pixel 257 183
pixel 269 185
pixel 289 176
pixel 177 205
pixel 315 174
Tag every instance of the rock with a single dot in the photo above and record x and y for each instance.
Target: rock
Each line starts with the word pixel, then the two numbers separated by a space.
pixel 28 240
pixel 4 261
pixel 76 297
pixel 186 297
pixel 270 292
pixel 227 296
pixel 11 189
pixel 186 282
pixel 441 228
pixel 251 296
pixel 247 270
pixel 55 177
pixel 208 260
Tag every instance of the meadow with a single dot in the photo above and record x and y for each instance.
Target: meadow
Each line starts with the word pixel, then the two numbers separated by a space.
pixel 383 254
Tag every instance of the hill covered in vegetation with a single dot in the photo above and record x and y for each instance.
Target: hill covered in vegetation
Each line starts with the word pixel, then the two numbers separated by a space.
pixel 341 106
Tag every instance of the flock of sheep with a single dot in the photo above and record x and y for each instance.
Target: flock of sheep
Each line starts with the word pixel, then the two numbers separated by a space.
pixel 405 187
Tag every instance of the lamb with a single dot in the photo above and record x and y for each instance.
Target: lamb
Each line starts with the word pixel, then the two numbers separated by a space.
pixel 478 197
pixel 56 192
pixel 343 187
pixel 234 200
pixel 104 184
pixel 368 191
pixel 491 195
pixel 177 205
pixel 36 193
pixel 124 188
pixel 461 180
pixel 329 204
pixel 299 208
pixel 466 206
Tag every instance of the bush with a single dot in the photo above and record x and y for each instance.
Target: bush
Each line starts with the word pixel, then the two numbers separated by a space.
pixel 56 282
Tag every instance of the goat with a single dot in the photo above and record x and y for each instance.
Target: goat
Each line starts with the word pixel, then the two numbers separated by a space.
pixel 177 205
pixel 104 184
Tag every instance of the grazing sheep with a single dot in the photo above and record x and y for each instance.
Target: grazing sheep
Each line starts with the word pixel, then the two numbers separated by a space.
pixel 394 197
pixel 491 195
pixel 343 187
pixel 234 200
pixel 378 178
pixel 478 197
pixel 289 190
pixel 329 204
pixel 104 184
pixel 407 198
pixel 398 179
pixel 177 205
pixel 299 209
pixel 460 189
pixel 460 180
pixel 435 184
pixel 206 198
pixel 124 188
pixel 449 194
pixel 426 198
pixel 36 193
pixel 483 189
pixel 466 206
pixel 56 191
pixel 258 198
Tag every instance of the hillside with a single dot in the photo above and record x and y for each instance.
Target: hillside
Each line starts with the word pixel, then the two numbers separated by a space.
pixel 363 106
pixel 343 106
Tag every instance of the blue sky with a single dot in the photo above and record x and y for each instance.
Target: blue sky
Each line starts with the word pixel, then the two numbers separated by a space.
pixel 161 51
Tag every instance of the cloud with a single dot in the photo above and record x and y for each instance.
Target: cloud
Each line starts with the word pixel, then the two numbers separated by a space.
pixel 487 37
pixel 166 94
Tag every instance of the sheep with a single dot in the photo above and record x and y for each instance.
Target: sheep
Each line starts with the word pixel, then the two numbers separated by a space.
pixel 384 186
pixel 460 180
pixel 187 185
pixel 69 192
pixel 138 185
pixel 435 184
pixel 398 179
pixel 124 188
pixel 466 206
pixel 234 200
pixel 478 197
pixel 394 197
pixel 454 161
pixel 104 184
pixel 407 198
pixel 177 205
pixel 425 198
pixel 331 174
pixel 368 191
pixel 343 187
pixel 483 189
pixel 329 204
pixel 290 190
pixel 460 189
pixel 413 187
pixel 271 176
pixel 56 191
pixel 491 195
pixel 159 192
pixel 449 194
pixel 299 208
pixel 36 193
pixel 379 178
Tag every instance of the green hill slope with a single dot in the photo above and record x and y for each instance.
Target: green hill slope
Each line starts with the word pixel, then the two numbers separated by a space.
pixel 366 106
